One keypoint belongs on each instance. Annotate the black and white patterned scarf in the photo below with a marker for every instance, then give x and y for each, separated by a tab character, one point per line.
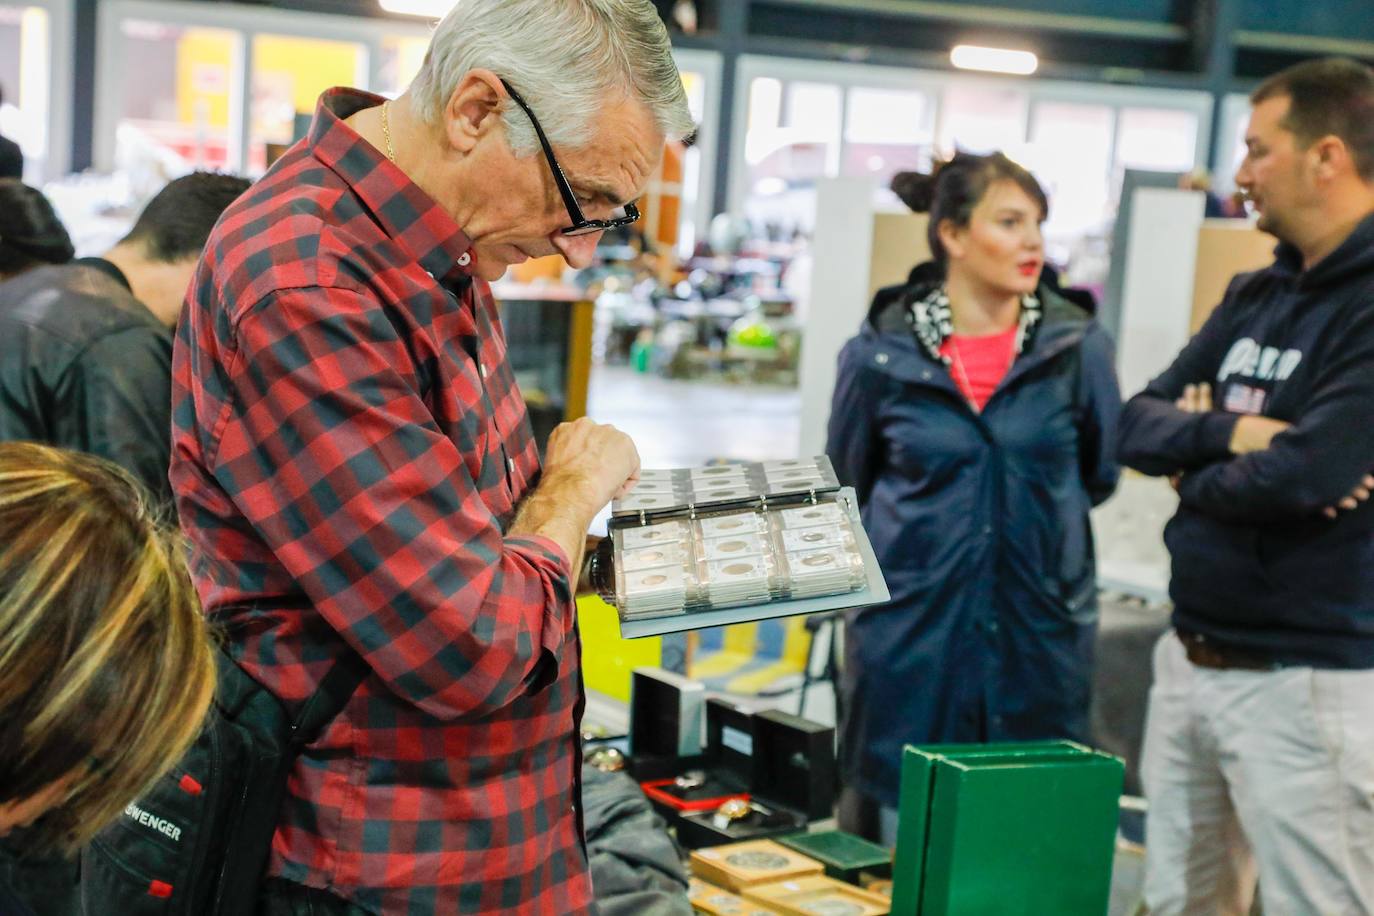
932	321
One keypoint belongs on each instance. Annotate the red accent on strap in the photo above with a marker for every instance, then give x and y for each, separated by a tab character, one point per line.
160	889
190	786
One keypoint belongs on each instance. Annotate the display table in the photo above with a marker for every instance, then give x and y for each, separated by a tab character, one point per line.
549	342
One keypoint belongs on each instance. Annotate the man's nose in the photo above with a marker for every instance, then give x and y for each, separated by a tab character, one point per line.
577	250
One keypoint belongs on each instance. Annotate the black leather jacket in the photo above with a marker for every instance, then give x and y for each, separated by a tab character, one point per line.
84	365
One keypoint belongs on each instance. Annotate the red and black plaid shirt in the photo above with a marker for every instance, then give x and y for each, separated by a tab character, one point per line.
349	447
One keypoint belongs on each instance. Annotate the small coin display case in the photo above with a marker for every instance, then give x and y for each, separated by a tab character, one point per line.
741	865
717	901
731	543
724	771
667	719
791	781
846	857
982	826
820	895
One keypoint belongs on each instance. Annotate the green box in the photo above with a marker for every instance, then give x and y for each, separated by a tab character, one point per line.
844	855
1006	829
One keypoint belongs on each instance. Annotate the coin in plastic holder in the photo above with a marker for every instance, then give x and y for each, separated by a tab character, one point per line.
653	486
654	591
717	471
654	557
732	525
796	484
810	516
737	581
789	465
657	475
724	494
820	572
648	502
734	547
795	539
654	535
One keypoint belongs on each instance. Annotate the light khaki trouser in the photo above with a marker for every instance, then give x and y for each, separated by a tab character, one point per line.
1258	771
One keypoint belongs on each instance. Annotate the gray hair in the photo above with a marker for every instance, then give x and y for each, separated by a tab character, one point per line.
564	57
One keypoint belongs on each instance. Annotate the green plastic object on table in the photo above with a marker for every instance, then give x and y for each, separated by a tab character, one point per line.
1009	829
844	855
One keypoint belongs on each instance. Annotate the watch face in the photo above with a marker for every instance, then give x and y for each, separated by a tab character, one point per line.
757	861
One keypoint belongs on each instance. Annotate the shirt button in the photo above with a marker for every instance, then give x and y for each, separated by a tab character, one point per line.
464	259
510	463
482	370
987	529
881	359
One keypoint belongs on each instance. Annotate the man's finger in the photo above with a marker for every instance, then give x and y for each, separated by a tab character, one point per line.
1329	512
1360	494
1349	503
1204	398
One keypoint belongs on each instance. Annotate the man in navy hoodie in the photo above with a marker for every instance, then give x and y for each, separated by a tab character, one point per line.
1259	747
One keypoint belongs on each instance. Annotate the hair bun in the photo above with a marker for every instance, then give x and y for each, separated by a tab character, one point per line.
916	190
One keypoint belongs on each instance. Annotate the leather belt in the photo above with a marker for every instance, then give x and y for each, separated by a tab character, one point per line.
1204	653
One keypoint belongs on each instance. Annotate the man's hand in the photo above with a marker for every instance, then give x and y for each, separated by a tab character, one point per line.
586	465
599	454
1358	495
1196	399
1254	433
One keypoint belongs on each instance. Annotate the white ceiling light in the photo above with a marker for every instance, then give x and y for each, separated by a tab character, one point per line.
993	60
430	9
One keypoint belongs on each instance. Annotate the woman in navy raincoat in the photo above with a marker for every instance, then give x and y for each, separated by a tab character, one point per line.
975	414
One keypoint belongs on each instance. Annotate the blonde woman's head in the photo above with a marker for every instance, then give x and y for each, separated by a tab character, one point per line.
106	667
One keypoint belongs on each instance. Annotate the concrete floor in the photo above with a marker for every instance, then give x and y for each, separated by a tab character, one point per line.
679	424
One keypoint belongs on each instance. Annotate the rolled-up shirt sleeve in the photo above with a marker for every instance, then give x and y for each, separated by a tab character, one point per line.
331	453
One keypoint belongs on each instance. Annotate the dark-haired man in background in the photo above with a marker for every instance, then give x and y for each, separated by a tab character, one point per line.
86	348
1259	747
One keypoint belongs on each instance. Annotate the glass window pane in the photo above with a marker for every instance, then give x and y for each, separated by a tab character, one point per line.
174	114
24	64
1070	152
887	131
982	119
793	139
1163	139
288	76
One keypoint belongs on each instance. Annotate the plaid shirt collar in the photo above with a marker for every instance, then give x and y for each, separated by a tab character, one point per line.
412	218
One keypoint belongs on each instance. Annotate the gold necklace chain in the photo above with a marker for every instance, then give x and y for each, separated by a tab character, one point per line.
386	130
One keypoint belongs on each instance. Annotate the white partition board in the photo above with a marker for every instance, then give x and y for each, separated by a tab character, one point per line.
1157	296
841	253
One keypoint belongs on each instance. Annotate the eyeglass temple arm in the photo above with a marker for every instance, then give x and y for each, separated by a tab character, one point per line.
561	180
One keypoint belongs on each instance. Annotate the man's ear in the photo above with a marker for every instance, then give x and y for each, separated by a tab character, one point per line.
472	109
1330	157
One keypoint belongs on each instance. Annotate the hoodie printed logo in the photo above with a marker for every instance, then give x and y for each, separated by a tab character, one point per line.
1248	359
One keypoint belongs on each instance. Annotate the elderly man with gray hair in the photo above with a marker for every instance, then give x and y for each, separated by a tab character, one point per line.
354	467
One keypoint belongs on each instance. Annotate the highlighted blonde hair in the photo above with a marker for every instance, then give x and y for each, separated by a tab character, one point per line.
106	665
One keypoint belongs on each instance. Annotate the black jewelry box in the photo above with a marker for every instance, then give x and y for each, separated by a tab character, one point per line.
791	780
666	712
725	769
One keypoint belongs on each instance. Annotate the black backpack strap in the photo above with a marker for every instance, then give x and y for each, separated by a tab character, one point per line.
329	699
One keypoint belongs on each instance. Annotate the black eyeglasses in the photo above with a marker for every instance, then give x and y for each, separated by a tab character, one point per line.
580	224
